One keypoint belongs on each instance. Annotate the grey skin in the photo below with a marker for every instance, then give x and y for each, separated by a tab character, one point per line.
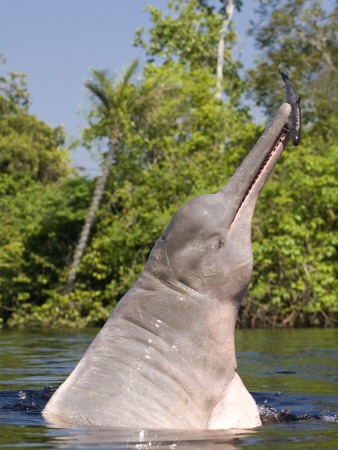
166	356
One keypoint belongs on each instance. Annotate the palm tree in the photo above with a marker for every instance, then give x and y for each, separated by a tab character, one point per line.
113	97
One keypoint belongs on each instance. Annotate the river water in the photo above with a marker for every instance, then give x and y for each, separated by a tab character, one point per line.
293	375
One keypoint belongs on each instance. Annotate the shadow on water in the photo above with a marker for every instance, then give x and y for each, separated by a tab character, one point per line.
291	373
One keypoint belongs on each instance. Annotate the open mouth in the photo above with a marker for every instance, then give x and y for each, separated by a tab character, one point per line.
267	165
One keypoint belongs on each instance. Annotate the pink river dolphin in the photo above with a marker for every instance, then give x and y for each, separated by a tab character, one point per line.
166	356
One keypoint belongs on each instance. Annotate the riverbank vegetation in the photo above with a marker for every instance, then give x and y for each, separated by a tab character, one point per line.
171	136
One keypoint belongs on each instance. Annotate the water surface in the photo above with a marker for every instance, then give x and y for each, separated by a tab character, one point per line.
293	375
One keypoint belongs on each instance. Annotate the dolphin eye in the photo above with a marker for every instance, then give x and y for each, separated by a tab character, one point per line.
220	243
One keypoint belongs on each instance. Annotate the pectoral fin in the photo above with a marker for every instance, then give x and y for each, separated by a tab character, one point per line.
236	409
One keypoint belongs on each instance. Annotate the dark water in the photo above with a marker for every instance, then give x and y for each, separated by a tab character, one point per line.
293	375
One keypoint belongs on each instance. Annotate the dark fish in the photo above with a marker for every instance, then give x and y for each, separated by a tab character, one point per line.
295	119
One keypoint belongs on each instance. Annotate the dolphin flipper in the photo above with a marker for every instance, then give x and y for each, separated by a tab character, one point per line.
237	409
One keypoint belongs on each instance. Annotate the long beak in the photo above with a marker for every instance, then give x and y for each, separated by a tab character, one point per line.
244	187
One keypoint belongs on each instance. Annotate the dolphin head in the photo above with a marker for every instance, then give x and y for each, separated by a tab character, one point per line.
207	245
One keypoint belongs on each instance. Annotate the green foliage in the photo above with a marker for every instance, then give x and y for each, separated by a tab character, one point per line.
41	224
113	100
172	39
295	237
171	148
13	91
189	34
176	141
36	187
300	36
30	147
295	227
170	153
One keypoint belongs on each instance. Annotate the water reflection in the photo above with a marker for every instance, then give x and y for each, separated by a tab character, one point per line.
298	435
139	439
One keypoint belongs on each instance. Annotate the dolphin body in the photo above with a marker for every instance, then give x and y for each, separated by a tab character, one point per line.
166	356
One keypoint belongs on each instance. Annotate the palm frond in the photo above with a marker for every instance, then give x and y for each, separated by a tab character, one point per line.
99	86
125	81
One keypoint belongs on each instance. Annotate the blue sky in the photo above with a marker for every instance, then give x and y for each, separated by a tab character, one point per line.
56	42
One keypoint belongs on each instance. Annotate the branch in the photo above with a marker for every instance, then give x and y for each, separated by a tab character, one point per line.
229	9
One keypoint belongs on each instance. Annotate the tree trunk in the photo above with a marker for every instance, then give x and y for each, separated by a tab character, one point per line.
229	9
99	189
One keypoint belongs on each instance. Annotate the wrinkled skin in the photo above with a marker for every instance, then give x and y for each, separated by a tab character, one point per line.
166	356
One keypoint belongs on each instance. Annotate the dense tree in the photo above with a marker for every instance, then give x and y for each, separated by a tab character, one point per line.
159	166
34	167
176	139
172	148
14	95
302	37
296	236
115	100
29	147
40	225
191	33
